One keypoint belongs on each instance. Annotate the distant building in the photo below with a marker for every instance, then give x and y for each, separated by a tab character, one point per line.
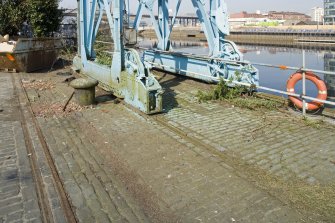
291	22
273	15
307	23
317	14
288	16
329	12
299	23
244	15
245	18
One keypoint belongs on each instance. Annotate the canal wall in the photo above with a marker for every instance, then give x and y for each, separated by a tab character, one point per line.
323	39
293	38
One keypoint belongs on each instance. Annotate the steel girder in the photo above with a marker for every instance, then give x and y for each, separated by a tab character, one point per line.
127	77
222	52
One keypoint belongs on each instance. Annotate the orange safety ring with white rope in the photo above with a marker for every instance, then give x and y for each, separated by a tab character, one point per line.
320	84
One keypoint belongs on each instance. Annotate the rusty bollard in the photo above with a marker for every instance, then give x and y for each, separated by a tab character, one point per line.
84	90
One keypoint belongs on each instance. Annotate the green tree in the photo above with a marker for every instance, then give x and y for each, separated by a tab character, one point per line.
11	16
44	16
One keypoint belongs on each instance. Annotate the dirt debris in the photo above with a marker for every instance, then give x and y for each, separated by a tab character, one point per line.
56	109
38	85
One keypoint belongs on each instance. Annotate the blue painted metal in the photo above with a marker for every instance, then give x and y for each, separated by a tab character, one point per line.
203	68
127	77
139	15
215	26
175	15
163	23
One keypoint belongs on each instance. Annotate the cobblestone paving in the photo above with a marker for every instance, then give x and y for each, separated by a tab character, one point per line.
190	180
90	186
280	144
119	166
95	193
18	199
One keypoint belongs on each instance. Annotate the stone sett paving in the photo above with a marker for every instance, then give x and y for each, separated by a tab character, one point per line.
184	176
91	187
280	144
94	192
18	199
118	166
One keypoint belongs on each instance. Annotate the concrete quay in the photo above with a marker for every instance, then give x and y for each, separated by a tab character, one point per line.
196	162
323	39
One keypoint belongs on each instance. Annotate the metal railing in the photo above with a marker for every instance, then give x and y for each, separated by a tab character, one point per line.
302	69
287	31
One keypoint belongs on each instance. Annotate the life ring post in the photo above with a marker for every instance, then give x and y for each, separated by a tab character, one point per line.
303	82
300	101
304	86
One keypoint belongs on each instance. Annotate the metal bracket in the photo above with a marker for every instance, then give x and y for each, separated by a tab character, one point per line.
215	26
127	77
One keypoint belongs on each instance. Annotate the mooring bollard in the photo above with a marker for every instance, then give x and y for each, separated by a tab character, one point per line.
84	91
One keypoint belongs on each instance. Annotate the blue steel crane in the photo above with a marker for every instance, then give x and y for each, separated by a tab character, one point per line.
127	77
224	59
130	78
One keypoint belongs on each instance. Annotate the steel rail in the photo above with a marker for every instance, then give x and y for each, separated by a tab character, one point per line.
46	206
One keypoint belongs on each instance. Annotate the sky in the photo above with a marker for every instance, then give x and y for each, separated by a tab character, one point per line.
241	5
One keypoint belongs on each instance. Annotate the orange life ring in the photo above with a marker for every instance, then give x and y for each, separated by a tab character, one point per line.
320	84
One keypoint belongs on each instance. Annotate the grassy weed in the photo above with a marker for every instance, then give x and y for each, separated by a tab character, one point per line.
239	96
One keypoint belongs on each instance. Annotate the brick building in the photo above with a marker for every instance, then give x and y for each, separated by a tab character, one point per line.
244	14
288	16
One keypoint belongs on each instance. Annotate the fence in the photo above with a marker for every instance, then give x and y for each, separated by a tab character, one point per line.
302	69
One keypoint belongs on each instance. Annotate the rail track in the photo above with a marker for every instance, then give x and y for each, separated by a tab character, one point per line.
253	166
230	139
31	127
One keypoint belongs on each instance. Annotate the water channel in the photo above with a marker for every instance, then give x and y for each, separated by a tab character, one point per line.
271	77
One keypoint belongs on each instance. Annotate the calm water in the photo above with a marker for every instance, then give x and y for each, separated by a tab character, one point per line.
270	77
